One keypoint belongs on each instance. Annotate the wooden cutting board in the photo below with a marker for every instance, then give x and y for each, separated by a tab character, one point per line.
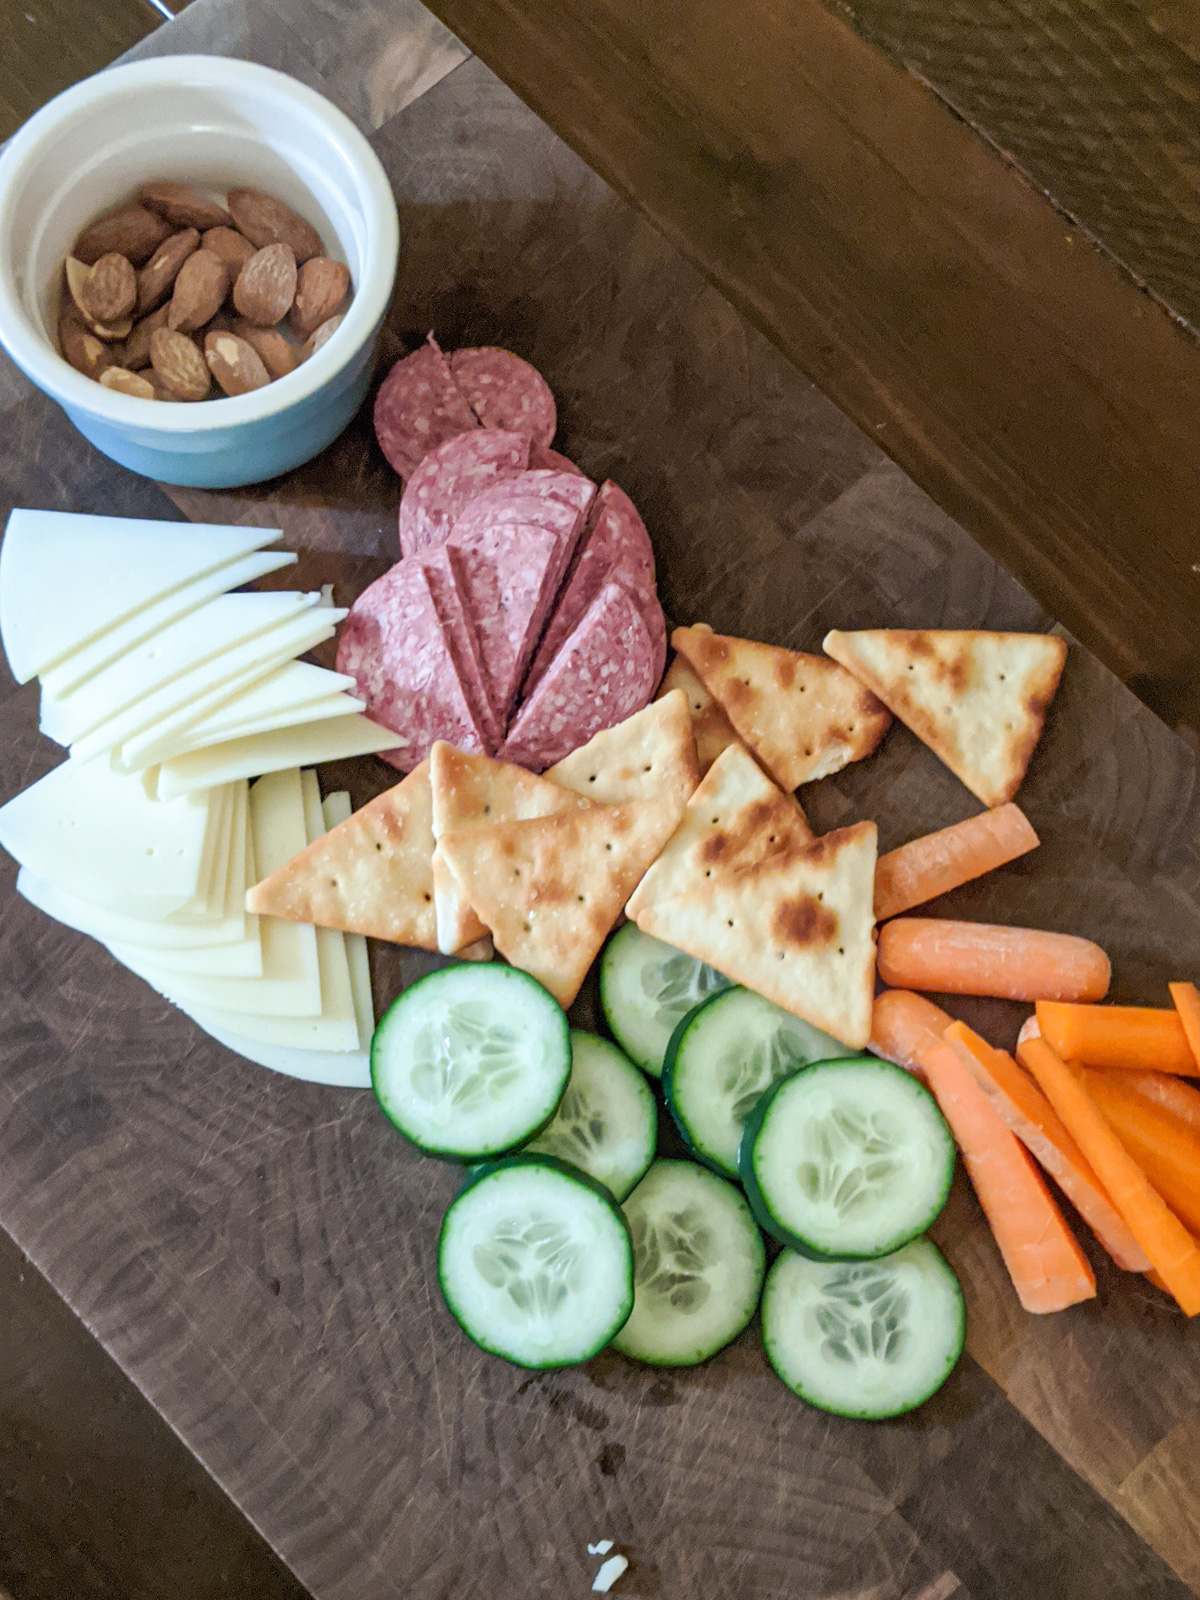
258	1254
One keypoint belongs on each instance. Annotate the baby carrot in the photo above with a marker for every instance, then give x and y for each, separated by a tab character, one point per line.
981	958
1167	1152
1116	1036
1048	1269
938	862
1177	1100
1187	1004
904	1024
1171	1249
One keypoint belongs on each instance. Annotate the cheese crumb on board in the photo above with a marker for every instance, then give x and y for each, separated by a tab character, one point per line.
608	1574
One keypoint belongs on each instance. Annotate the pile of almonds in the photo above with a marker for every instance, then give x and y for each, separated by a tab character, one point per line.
173	290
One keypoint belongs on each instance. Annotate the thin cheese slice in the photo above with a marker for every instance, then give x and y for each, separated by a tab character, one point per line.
210	899
333	740
82	664
332	705
65	579
349	1069
337	809
287	690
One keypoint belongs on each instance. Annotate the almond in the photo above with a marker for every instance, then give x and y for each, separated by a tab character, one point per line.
266	285
112	331
183	205
177	362
234	363
155	279
265	220
109	292
77	275
320	337
200	287
136	352
233	248
80	347
277	355
126	382
130	231
321	286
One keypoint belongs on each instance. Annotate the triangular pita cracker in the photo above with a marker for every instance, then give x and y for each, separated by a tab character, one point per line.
711	728
803	717
978	700
652	752
371	874
550	888
471	791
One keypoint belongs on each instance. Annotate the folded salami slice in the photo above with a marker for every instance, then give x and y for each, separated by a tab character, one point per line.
456	614
541	456
557	501
505	392
450	477
418	407
507	576
393	646
605	671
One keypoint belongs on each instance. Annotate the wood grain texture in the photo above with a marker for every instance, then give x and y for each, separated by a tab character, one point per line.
258	1254
942	303
45	49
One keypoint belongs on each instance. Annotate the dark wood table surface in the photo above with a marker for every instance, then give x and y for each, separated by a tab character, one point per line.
256	1254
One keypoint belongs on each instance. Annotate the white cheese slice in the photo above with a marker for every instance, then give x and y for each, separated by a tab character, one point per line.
82	664
330	705
337	809
209	632
347	1069
209	899
200	691
294	693
95	833
66	578
333	740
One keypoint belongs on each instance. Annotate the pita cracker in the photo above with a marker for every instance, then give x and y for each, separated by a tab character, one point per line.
551	888
371	874
652	752
711	728
978	700
803	717
470	791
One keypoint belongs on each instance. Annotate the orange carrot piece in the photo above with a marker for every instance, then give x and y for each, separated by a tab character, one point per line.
1035	1122
1187	1004
1048	1269
1169	1094
1117	1036
939	862
981	958
902	1025
1172	1250
1167	1152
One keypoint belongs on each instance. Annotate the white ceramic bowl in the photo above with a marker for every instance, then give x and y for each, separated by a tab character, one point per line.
222	124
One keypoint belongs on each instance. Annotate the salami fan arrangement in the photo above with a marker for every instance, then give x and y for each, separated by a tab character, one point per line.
522	617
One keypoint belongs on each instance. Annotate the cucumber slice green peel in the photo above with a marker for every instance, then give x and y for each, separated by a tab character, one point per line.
606	1123
847	1160
865	1339
471	1061
646	988
536	1263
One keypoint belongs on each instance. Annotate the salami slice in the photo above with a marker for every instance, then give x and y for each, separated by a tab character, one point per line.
541	455
507	577
418	407
558	501
505	392
450	477
464	640
604	672
393	646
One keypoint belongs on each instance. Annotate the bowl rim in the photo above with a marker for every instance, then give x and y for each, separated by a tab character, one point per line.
44	365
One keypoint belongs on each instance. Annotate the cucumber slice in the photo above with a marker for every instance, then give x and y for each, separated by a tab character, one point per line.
535	1262
699	1263
646	989
722	1058
606	1123
471	1060
847	1159
864	1339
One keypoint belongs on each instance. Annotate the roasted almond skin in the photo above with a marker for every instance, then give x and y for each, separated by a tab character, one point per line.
109	292
200	290
266	286
234	363
321	286
276	353
265	220
156	279
233	248
182	204
136	351
178	364
126	382
130	231
321	336
80	346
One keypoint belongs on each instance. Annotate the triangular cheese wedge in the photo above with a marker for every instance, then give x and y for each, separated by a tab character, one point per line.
370	874
652	752
741	888
801	715
978	700
711	728
550	888
471	791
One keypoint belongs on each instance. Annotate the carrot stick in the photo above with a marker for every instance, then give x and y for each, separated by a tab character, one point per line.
902	1025
980	958
1171	1248
1048	1269
1117	1036
1167	1152
939	862
1035	1122
1178	1100
1187	1004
